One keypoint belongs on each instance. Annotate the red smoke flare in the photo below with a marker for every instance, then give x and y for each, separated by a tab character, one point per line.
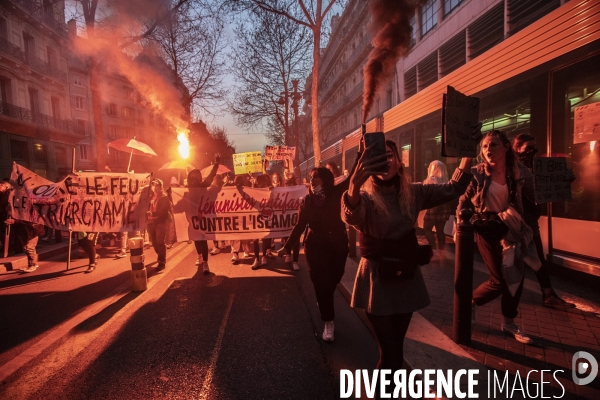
391	28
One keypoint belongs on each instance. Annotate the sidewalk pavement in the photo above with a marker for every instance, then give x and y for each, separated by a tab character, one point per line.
558	334
45	250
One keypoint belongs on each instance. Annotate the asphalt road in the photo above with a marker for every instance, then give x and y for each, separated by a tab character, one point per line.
233	334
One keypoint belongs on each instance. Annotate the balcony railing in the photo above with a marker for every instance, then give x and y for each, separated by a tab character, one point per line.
24	114
45	68
12	50
37	11
34	63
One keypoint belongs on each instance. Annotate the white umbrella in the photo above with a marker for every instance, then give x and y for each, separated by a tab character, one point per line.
132	147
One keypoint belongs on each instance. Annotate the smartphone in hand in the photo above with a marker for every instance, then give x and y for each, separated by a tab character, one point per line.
378	138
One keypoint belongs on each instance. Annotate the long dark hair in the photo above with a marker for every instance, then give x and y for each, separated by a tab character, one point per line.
327	179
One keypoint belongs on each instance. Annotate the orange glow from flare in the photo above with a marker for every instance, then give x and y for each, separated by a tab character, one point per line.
184	145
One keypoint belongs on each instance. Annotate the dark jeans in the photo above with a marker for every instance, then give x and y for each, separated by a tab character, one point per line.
390	331
495	286
88	244
157	234
439	232
326	257
202	248
23	241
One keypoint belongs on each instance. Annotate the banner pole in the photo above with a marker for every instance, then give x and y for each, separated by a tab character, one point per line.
129	164
73	161
69	249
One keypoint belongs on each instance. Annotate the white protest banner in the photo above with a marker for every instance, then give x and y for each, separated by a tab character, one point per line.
550	181
460	116
280	153
236	213
248	162
587	123
83	202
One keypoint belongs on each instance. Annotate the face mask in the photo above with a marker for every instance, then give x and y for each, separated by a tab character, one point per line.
317	189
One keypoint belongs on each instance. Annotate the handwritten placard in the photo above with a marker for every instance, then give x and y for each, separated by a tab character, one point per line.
248	162
587	123
280	152
460	114
550	180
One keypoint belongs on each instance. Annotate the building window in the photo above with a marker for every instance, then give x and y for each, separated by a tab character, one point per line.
413	32
61	155
128	133
3	29
81	126
29	43
4	90
18	150
127	112
34	101
79	103
40	153
428	17
83	152
55	107
112	109
112	131
51	55
77	80
128	92
450	5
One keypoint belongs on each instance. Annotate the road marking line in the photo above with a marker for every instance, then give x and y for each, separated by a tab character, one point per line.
215	354
57	333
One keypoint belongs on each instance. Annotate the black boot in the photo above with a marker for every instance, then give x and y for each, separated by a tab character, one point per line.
551	300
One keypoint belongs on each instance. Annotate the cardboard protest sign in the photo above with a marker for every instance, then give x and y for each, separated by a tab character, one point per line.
587	123
280	152
249	162
460	115
236	213
550	181
83	202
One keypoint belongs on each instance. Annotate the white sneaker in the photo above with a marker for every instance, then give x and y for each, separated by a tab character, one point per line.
263	260
215	250
235	258
198	260
287	258
295	267
517	333
205	268
30	268
270	254
246	254
256	264
121	254
328	331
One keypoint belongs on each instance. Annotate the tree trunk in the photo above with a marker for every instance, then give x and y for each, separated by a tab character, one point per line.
97	111
315	93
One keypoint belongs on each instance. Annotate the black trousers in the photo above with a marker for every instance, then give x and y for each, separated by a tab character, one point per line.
202	248
88	244
326	257
491	252
158	234
390	331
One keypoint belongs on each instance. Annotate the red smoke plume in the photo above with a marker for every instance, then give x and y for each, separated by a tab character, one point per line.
390	26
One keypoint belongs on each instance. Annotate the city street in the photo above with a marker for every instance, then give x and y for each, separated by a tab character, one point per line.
235	333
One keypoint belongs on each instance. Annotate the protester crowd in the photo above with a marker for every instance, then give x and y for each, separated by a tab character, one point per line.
377	199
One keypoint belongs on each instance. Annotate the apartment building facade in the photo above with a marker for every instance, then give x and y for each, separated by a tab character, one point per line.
36	128
531	63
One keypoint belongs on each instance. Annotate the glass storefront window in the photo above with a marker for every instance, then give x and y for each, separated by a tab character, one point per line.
574	87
